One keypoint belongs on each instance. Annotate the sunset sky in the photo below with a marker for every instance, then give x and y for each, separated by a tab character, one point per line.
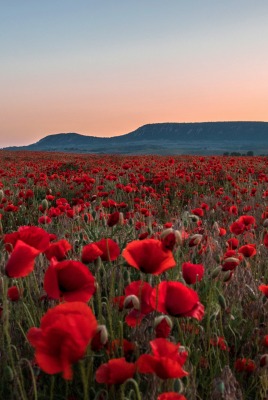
106	67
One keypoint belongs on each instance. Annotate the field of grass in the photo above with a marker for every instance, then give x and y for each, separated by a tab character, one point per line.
133	277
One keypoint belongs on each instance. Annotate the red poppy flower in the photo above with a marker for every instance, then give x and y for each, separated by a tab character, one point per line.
237	227
70	280
113	219
192	273
176	299
115	371
166	361
142	291
34	236
171	396
248	250
219	342
247	220
90	253
264	289
148	256
110	249
198	211
58	250
21	261
63	336
233	243
244	365
44	219
118	345
14	293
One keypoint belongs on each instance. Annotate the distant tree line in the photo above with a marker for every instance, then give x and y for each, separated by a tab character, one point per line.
236	153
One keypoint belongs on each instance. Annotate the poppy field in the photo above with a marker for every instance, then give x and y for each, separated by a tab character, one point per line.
133	277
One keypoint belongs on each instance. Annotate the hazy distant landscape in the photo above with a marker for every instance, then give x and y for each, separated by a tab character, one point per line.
166	138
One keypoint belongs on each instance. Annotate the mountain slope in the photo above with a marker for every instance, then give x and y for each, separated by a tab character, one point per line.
166	138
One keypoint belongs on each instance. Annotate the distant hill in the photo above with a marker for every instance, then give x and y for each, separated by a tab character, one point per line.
165	138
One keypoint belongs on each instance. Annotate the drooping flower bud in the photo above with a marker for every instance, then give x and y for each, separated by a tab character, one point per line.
132	301
162	326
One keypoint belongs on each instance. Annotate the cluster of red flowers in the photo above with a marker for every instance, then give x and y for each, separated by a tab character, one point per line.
128	218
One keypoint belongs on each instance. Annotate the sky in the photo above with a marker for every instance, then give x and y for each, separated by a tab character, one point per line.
106	67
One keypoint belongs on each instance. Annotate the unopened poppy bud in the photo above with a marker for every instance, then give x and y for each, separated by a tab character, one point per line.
264	360
45	204
222	301
216	271
159	319
193	217
162	326
168	233
132	301
178	386
9	374
251	292
194	240
100	338
227	275
265	222
230	263
1	195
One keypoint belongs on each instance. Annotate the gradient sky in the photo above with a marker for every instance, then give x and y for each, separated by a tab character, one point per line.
106	67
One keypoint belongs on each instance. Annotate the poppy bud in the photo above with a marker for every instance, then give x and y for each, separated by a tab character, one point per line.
163	326
178	386
264	360
171	238
100	338
222	301
193	217
227	275
230	263
45	204
265	222
1	195
9	374
194	240
216	271
132	301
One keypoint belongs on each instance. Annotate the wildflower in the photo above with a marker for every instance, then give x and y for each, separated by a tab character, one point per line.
70	280
192	273
148	256
115	371
166	360
64	334
176	299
